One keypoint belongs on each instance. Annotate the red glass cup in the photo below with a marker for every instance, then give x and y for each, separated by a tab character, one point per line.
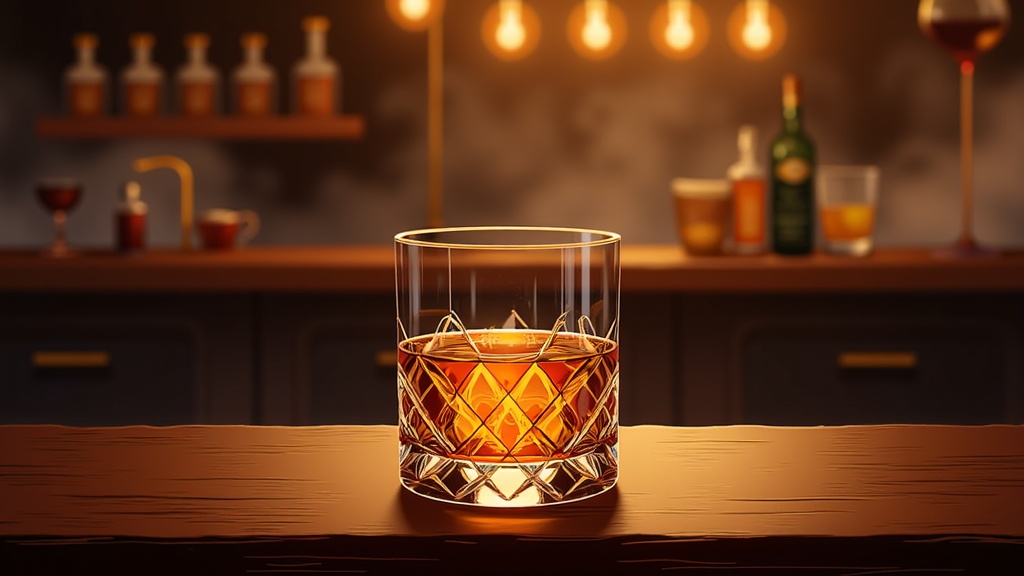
223	229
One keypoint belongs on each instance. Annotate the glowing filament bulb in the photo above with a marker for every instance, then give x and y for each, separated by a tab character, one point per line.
414	9
511	34
757	35
679	32
597	33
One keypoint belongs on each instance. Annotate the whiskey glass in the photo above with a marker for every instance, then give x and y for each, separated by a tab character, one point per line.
508	372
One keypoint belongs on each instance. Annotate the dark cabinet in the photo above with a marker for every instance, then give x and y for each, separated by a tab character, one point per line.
92	360
851	359
328	359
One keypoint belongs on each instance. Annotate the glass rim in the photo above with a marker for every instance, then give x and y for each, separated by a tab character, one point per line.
409	237
849	170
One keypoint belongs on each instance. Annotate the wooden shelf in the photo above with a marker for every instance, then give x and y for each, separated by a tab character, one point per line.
342	127
645	268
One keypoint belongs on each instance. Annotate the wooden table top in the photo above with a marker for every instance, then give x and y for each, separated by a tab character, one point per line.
923	496
645	268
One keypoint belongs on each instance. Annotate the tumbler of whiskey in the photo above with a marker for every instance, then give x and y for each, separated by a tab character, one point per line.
508	370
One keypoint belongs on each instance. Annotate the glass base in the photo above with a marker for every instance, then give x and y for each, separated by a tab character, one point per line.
58	252
966	249
858	247
506	485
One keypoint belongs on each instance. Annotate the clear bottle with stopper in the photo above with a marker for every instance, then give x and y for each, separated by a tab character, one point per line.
316	78
130	219
142	81
198	81
254	81
86	83
747	178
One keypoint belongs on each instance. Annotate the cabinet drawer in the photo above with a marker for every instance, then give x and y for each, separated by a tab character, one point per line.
834	373
98	374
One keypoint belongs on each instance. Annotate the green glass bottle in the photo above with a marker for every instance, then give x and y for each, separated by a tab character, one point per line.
792	177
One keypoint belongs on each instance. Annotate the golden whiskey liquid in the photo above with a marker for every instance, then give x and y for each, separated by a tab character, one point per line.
520	396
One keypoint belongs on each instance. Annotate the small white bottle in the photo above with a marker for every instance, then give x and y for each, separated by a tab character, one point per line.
254	81
86	83
198	81
747	178
316	79
142	82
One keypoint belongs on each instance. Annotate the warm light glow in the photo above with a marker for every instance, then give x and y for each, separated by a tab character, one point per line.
415	14
511	33
414	9
511	29
597	33
679	29
756	29
757	34
597	28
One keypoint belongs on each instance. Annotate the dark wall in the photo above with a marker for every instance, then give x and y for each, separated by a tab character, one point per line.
553	139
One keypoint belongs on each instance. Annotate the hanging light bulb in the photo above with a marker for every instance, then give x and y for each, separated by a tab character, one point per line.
415	14
414	9
511	33
757	29
511	29
679	29
597	33
597	28
757	34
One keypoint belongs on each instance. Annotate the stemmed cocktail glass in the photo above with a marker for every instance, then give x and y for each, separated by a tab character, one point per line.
59	196
967	28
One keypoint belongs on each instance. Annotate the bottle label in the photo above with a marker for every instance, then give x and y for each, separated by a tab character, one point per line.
316	96
748	211
197	99
793	213
254	98
86	100
793	171
142	99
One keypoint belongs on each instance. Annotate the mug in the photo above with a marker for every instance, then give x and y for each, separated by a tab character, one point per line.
221	228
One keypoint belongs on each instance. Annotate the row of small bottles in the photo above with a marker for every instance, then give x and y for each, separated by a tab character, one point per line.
315	80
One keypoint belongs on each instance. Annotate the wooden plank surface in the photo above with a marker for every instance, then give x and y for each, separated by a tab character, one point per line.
231	481
645	268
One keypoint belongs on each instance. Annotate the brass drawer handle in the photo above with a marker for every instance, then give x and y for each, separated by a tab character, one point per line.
386	358
877	360
63	359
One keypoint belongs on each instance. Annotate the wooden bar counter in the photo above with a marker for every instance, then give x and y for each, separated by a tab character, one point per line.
750	500
645	268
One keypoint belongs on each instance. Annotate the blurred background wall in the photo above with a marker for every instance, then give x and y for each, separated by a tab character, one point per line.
553	139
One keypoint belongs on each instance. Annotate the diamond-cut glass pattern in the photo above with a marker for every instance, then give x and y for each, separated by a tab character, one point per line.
509	416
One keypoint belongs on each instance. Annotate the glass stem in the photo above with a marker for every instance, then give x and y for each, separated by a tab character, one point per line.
59	220
966	148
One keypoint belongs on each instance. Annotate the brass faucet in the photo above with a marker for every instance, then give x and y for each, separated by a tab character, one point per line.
185	175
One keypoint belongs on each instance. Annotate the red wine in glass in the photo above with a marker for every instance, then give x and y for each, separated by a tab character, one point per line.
59	196
967	38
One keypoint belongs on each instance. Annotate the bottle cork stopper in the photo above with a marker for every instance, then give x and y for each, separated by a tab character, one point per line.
131	190
85	40
142	40
254	39
315	24
197	40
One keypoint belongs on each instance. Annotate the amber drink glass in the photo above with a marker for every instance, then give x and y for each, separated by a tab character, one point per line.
508	372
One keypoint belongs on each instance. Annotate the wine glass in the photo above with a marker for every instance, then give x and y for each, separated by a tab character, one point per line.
966	28
59	196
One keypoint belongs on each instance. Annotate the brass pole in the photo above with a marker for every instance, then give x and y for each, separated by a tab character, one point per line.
435	122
